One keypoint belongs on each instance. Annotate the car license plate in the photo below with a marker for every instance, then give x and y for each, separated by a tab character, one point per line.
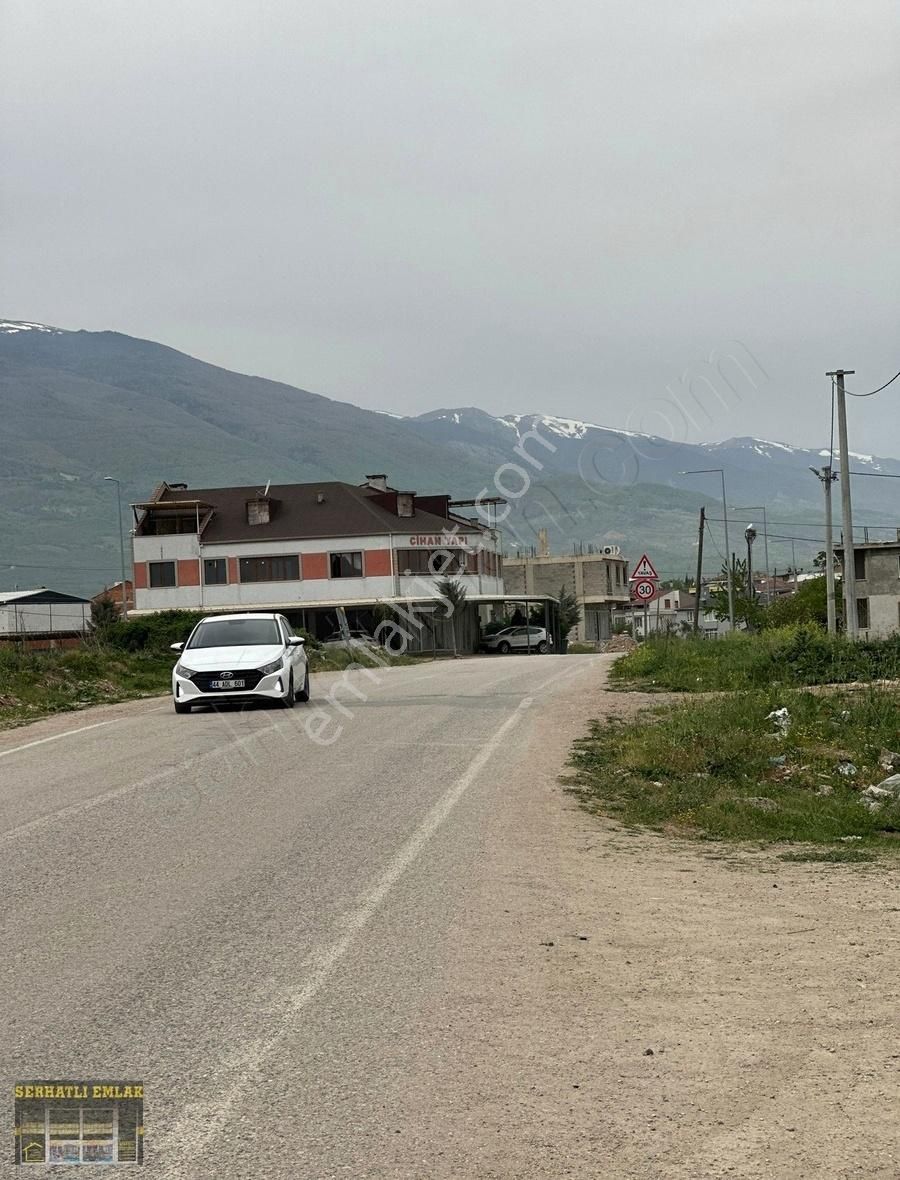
227	683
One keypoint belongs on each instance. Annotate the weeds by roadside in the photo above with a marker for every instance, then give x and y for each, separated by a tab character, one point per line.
721	769
789	656
34	684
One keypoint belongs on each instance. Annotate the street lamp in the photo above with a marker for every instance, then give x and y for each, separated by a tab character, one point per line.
750	537
112	479
761	508
721	472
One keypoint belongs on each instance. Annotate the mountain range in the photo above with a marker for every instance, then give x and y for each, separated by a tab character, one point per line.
78	406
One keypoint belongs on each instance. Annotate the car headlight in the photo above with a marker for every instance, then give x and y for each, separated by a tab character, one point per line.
268	669
187	673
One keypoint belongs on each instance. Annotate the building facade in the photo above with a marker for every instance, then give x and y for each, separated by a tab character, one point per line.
599	582
877	568
308	548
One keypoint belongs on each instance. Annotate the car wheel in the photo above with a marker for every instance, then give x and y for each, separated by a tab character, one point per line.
287	701
303	694
504	648
542	647
180	707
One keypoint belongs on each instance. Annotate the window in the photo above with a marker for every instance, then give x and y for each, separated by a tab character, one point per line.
81	1135
859	564
346	565
270	569
85	1134
235	633
433	563
862	613
162	573
215	571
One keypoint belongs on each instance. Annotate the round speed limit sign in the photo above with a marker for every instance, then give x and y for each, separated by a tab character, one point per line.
644	591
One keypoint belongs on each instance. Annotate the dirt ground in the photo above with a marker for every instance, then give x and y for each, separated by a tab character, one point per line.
654	1008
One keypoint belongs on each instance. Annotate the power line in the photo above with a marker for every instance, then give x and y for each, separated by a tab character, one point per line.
871	392
809	524
715	543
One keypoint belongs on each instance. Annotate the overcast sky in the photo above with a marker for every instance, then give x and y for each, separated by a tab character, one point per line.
407	204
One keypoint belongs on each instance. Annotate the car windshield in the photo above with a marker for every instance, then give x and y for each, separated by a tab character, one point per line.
235	633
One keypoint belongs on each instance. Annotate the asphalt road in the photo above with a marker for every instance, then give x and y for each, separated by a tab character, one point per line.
277	920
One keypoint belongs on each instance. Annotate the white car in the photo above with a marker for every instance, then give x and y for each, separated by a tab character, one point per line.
240	657
525	639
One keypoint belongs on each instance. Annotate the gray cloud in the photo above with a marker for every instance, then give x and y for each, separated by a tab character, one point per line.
518	205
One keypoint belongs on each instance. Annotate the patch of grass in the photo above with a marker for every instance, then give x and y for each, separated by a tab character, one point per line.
713	768
35	684
789	656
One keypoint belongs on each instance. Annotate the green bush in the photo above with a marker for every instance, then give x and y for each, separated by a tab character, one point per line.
153	633
798	655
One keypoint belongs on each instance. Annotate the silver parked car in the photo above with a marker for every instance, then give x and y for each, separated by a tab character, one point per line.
536	639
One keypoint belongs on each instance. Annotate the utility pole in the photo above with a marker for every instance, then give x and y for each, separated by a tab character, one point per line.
827	478
699	570
851	622
729	563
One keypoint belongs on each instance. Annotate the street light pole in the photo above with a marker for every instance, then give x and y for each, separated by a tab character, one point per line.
761	508
728	561
750	537
112	479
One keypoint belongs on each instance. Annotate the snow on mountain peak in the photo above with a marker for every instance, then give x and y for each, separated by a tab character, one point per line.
868	459
565	427
13	327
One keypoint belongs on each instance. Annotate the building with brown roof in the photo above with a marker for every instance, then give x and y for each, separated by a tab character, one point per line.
310	547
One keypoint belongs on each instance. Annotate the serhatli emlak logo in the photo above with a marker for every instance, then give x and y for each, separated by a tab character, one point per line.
79	1122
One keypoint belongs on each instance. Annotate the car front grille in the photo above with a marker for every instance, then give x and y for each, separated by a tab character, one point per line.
251	678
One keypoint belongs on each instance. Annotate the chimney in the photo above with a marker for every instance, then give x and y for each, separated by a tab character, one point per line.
378	482
406	503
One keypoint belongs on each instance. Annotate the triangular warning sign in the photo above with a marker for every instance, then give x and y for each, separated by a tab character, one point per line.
644	571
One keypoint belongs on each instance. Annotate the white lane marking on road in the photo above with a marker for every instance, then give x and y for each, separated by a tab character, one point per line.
56	736
202	1122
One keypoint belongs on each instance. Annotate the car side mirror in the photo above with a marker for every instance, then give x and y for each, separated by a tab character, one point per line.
176	646
296	641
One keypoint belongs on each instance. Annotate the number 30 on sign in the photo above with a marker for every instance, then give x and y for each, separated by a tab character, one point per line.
644	590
